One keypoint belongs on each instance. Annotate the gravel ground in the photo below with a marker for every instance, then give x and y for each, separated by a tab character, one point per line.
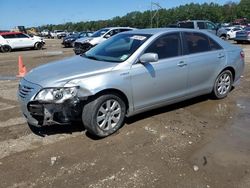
196	143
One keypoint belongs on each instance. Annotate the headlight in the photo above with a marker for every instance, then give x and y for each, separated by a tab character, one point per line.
86	41
67	40
57	95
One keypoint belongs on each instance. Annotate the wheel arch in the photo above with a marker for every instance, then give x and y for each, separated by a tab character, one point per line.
231	69
115	91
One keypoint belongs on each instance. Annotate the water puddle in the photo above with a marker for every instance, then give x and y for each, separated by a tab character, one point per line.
226	156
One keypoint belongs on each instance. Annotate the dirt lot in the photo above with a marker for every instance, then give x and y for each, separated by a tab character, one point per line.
196	143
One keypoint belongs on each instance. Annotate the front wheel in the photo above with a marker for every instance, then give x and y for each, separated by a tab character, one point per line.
223	37
223	84
104	115
38	46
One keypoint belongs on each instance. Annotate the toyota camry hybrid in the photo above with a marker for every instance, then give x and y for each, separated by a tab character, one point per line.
130	73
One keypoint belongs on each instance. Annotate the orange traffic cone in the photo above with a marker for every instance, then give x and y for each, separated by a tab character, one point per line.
21	67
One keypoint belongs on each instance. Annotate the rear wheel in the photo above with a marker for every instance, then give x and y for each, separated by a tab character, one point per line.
5	48
223	84
104	115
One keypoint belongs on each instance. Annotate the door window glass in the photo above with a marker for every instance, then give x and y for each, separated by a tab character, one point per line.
166	46
210	26
199	42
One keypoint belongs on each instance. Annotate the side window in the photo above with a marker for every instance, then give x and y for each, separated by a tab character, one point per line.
214	45
201	25
20	35
113	32
123	30
210	26
196	42
166	46
8	36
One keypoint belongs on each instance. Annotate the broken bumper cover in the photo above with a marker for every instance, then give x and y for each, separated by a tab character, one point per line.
52	113
40	113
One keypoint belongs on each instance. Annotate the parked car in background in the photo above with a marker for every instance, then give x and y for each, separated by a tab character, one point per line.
243	36
18	40
231	31
130	73
84	44
57	34
204	25
45	33
69	40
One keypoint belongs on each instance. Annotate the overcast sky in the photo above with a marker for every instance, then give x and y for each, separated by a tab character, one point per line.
31	13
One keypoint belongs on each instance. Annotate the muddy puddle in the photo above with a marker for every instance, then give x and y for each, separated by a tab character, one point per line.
225	156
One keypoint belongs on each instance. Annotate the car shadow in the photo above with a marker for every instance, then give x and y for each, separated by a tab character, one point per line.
79	127
167	108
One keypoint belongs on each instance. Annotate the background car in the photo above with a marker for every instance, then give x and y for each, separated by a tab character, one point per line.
231	31
204	25
57	34
127	74
243	36
84	44
18	40
68	41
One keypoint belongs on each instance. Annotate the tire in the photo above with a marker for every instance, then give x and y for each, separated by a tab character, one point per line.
223	84
38	46
5	48
223	37
104	115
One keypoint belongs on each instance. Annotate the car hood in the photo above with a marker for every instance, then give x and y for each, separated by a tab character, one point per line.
58	73
83	39
70	38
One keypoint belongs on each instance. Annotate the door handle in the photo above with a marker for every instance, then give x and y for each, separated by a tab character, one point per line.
182	64
221	55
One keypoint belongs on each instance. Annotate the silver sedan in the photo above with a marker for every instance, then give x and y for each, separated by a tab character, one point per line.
130	73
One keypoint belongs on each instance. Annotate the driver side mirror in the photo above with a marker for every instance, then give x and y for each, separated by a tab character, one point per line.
149	57
107	36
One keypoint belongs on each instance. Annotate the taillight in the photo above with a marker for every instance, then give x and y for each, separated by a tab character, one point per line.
242	54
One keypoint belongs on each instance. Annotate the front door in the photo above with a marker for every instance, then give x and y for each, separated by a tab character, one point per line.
157	82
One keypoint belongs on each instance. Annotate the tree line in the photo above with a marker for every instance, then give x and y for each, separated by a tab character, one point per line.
163	17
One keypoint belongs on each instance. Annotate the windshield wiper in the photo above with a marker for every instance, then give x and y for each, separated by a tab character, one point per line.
91	57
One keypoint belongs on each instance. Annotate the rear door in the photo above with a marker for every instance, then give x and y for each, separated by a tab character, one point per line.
156	82
205	59
24	40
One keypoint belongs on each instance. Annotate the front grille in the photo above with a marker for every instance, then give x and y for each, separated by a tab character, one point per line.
24	91
77	44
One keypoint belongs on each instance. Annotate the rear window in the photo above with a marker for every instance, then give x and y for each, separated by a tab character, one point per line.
189	25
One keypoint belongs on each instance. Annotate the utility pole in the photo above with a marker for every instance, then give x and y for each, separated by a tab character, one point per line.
155	7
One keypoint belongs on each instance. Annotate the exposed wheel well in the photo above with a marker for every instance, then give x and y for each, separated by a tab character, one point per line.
115	91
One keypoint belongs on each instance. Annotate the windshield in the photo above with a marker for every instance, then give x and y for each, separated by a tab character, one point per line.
118	48
99	32
247	28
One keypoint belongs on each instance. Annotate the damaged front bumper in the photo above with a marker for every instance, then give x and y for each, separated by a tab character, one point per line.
40	113
53	113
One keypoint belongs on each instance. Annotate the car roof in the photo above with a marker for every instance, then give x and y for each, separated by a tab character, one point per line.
10	33
193	21
118	28
154	31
